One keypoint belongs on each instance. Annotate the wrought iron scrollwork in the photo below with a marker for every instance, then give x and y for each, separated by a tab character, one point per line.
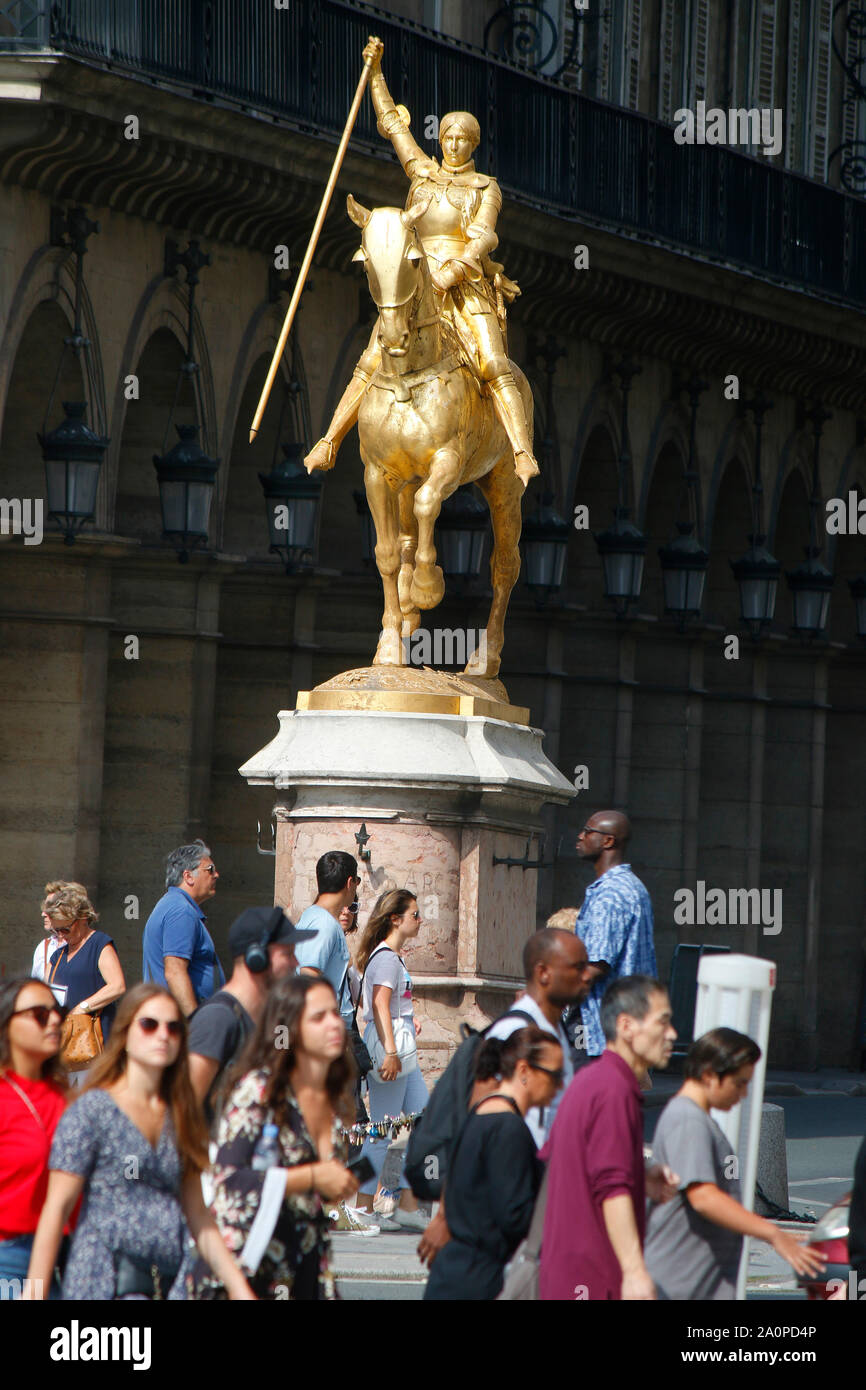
852	58
522	31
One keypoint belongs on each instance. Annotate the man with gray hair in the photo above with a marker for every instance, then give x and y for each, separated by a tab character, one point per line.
178	949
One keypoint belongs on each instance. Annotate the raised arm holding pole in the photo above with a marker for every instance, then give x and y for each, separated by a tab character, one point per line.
311	249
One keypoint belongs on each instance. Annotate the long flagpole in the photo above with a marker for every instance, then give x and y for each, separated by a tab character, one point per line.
311	251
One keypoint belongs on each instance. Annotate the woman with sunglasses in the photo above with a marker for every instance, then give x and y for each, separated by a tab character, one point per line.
494	1172
135	1144
396	1086
86	965
32	1099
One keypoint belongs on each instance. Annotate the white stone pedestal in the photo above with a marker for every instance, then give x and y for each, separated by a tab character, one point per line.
442	796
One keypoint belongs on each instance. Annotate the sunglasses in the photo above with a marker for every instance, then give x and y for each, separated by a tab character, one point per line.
42	1012
555	1073
150	1025
353	907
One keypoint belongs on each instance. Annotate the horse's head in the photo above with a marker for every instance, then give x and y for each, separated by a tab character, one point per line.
394	263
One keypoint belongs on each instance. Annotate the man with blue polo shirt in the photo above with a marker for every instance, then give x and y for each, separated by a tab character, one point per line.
337	882
178	949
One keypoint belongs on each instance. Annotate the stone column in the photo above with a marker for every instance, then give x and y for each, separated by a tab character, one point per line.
813	890
692	767
755	813
624	715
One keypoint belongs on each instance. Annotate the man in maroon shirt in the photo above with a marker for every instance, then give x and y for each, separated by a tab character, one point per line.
594	1221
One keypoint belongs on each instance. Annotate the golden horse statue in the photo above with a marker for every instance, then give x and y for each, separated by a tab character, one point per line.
426	425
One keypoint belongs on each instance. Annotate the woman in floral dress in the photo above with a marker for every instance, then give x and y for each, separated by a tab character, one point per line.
296	1074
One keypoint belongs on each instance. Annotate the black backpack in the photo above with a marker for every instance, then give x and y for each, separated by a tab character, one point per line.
432	1138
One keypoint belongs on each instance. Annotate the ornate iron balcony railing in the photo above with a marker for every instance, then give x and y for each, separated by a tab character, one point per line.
548	145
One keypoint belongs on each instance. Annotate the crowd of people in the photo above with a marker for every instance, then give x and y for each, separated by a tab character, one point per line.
193	1137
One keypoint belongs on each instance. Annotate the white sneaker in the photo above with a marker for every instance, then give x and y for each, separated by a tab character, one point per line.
352	1221
411	1220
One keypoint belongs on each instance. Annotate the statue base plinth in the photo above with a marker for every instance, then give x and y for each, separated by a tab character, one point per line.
451	805
413	690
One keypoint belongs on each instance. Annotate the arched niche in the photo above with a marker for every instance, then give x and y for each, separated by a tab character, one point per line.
846	557
596	489
33	373
664	508
137	509
732	526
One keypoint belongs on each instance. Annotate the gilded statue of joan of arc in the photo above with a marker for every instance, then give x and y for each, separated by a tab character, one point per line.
457	210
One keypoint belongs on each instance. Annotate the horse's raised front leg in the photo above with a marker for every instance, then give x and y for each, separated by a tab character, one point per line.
428	584
503	491
408	543
383	507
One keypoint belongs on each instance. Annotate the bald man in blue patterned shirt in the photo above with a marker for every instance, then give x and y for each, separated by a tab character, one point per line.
616	920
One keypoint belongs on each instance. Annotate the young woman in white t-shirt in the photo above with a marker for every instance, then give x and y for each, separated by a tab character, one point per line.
396	1087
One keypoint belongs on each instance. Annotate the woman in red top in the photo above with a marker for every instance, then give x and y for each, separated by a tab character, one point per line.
32	1099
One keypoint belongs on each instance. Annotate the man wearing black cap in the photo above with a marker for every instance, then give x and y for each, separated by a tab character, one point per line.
262	942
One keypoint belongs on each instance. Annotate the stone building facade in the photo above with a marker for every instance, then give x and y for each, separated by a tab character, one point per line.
744	772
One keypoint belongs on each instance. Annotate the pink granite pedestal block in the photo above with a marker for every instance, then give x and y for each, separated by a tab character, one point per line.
441	796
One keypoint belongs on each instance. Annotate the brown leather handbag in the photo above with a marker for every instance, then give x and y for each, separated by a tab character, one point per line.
81	1041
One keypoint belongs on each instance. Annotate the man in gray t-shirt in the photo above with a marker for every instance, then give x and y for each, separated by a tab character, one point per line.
688	1256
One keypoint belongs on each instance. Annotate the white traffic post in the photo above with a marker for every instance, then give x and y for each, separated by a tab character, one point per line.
737	992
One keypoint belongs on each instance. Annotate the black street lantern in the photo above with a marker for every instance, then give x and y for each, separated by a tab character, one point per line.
858	593
757	576
292	500
368	530
684	571
757	572
810	583
622	548
186	479
72	451
545	547
186	474
73	455
460	534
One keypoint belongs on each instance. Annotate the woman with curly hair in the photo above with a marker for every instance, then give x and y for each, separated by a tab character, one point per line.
135	1145
294	1091
85	966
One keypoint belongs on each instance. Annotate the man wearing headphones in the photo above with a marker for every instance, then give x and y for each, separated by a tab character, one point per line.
262	943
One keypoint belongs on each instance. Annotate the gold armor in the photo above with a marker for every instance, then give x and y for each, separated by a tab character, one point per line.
455	210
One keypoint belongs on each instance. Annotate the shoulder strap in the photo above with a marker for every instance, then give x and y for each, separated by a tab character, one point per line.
456	1145
513	1013
56	963
45	958
228	1001
363	977
496	1095
536	1226
26	1099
